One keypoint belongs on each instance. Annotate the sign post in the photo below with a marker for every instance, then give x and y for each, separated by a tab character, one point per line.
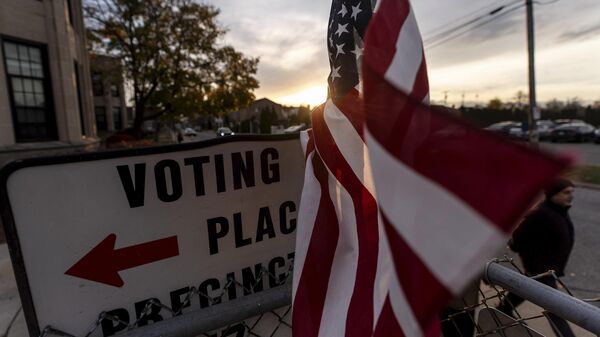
108	232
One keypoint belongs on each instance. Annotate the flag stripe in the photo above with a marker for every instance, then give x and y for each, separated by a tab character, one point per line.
359	315
460	237
350	145
405	316
407	59
440	155
387	22
384	273
310	295
351	107
307	212
423	291
344	267
388	323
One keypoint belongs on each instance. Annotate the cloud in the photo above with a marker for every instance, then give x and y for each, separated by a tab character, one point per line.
580	33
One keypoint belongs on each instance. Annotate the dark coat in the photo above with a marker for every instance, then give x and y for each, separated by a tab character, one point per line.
544	239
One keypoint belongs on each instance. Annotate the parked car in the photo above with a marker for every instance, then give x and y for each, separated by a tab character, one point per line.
503	127
572	132
567	121
597	136
295	128
544	128
189	132
222	132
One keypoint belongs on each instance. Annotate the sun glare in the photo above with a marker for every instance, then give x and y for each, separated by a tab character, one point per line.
312	95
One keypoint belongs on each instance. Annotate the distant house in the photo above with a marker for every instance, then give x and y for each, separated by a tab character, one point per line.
251	113
45	89
110	111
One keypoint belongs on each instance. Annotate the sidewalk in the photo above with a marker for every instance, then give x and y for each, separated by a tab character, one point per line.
12	322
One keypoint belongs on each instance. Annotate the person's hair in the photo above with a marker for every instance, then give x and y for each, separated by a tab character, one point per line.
556	186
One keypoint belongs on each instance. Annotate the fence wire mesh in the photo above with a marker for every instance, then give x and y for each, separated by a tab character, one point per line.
473	315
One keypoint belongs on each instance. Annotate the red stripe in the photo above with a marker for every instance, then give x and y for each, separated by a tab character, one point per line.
467	162
360	313
352	107
383	32
421	86
310	144
387	325
424	293
312	287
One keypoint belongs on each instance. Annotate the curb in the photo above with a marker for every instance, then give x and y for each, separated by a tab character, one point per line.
587	185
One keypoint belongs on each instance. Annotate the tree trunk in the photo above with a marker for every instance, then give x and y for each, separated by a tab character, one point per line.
139	116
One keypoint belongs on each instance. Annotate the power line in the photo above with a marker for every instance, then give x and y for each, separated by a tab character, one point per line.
467	16
440	42
435	34
445	36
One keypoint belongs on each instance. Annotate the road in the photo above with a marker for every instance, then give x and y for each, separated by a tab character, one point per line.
583	270
586	153
582	274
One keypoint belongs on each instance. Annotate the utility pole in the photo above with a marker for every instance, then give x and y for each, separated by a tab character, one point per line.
531	50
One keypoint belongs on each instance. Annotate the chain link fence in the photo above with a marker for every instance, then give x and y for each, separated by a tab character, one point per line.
267	313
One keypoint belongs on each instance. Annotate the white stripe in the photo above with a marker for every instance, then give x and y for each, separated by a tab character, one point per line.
307	213
383	274
344	265
402	309
351	146
377	4
405	65
449	236
304	139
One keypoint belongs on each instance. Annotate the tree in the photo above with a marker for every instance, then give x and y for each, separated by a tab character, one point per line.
495	104
303	116
555	105
172	57
268	117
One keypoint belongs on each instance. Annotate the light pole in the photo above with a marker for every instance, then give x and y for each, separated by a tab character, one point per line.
531	50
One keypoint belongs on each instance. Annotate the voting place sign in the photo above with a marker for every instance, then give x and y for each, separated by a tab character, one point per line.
109	231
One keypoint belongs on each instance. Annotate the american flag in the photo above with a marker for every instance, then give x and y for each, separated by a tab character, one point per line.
389	233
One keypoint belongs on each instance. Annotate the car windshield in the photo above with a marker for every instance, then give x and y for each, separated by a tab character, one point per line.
501	125
224	130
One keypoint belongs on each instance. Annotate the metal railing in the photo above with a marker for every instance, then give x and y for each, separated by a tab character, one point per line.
268	313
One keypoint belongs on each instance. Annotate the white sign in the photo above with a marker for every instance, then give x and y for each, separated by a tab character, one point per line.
109	233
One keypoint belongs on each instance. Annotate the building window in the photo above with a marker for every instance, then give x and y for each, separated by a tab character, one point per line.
97	86
117	118
79	103
114	90
100	112
29	90
69	11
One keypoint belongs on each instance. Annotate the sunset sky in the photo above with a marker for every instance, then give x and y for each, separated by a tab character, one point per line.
487	62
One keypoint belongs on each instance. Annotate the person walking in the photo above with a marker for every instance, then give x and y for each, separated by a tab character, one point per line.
544	240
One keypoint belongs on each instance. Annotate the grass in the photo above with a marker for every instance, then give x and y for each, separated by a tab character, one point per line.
589	174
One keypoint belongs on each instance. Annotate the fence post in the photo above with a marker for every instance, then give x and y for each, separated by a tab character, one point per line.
570	308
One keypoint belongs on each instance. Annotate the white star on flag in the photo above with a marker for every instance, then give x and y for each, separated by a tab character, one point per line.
358	51
340	49
355	10
341	29
335	73
343	11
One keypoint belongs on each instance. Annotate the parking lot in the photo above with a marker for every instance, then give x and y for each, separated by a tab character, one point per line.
586	153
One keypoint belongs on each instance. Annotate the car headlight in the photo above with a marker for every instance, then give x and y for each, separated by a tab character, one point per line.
222	134
597	132
233	133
